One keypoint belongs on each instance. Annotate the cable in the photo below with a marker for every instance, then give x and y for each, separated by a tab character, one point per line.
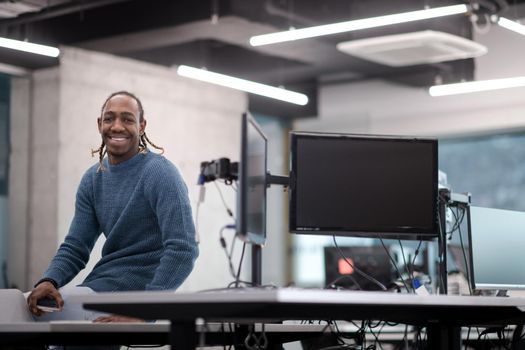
417	337
200	200
363	274
376	336
228	210
468	336
467	269
237	278
395	265
441	242
459	221
232	247
405	338
415	255
231	328
404	260
340	278
254	342
224	340
246	284
197	236
229	255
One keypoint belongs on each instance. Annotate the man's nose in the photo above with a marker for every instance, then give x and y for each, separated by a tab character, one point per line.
117	124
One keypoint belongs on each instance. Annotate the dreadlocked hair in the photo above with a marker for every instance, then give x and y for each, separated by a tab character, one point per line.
143	139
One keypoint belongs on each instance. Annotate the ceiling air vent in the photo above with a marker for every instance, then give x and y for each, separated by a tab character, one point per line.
413	48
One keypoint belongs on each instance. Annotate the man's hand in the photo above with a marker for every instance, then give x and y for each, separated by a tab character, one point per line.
117	318
43	290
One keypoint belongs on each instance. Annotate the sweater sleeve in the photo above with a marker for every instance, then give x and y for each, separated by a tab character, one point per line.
73	253
168	196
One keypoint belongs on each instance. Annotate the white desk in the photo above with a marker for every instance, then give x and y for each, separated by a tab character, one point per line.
82	333
88	333
442	315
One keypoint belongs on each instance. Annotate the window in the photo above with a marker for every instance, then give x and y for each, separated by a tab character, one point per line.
491	168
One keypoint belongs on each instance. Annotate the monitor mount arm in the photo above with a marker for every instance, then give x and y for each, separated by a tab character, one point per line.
277	180
447	199
223	168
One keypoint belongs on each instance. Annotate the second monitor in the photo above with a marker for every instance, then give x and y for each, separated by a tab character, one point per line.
497	243
356	185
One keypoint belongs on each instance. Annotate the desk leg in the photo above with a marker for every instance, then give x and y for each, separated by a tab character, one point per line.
183	335
442	337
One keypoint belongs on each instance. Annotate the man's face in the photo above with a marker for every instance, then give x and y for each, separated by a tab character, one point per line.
120	128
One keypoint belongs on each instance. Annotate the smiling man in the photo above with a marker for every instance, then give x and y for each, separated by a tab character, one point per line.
138	200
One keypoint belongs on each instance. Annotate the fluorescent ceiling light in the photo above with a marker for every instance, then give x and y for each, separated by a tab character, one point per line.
29	47
243	85
358	24
476	86
511	25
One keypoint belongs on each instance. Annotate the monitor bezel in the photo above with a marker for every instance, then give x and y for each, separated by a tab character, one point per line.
242	222
409	233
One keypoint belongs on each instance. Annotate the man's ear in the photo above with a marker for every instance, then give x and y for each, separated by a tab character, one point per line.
142	126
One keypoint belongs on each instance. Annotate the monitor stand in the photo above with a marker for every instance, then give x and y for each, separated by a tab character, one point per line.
256	265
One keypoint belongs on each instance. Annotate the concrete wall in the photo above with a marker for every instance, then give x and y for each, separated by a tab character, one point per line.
193	121
18	199
44	141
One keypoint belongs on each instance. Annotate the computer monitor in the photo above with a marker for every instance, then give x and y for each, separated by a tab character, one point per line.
497	245
362	185
371	260
251	195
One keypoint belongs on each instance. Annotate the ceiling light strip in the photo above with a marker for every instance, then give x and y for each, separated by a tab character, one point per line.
511	25
341	27
29	47
243	85
476	86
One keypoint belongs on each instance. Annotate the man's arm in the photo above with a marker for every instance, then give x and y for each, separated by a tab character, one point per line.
74	252
168	196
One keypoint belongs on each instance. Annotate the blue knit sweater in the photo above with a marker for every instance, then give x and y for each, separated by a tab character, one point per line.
142	207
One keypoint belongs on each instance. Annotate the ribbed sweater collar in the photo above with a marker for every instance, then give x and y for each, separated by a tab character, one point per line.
126	165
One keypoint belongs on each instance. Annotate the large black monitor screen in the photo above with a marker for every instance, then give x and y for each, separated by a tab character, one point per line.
364	185
497	243
251	206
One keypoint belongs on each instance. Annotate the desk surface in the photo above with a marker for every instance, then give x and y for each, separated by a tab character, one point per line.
290	304
164	327
74	332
